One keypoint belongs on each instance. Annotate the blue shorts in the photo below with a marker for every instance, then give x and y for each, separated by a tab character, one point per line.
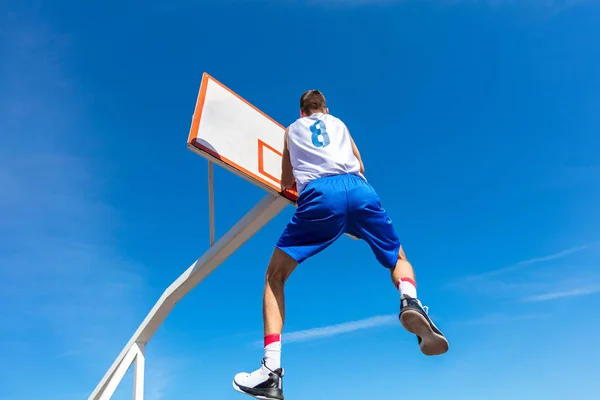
330	206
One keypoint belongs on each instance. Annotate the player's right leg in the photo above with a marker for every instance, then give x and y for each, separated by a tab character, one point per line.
267	381
369	221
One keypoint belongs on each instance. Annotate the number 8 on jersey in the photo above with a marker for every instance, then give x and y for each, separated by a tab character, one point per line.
319	129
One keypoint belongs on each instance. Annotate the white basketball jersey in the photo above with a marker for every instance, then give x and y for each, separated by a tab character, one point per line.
320	146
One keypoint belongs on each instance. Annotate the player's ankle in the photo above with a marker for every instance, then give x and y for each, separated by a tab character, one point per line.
407	288
272	358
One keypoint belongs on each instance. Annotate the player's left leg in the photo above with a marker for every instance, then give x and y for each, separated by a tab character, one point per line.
413	315
319	220
369	221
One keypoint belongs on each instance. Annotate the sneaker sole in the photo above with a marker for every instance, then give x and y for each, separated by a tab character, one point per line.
237	388
432	344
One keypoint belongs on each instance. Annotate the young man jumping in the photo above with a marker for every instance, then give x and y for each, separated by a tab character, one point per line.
322	159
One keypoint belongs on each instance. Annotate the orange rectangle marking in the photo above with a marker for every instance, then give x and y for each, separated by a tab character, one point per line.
261	159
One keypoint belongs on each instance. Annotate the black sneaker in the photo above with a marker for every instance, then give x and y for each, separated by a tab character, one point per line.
413	317
269	389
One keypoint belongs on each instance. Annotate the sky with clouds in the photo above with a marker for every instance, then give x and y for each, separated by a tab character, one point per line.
478	125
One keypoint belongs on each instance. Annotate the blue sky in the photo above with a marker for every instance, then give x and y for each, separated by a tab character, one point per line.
478	124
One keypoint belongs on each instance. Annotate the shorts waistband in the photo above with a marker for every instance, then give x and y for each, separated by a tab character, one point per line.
335	177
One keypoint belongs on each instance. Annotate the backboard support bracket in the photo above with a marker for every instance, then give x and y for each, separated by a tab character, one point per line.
240	233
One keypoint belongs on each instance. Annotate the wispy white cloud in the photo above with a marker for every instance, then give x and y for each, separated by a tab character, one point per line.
584	291
385	320
339	329
527	263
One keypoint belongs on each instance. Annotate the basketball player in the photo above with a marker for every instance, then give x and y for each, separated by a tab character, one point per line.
321	158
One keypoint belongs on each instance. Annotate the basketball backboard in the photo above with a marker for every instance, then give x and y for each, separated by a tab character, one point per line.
228	130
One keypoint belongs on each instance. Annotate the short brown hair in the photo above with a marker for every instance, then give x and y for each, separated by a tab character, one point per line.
312	101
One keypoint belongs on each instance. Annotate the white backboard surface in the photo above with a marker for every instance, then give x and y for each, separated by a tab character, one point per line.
227	128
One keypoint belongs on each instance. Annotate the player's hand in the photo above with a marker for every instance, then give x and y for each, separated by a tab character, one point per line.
283	188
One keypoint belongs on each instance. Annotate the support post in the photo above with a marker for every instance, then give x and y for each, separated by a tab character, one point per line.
211	201
138	373
117	375
243	230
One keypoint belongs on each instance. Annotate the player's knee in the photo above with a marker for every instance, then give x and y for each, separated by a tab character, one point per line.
276	275
280	267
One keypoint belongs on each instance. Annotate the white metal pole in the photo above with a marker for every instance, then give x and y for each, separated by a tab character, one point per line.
119	372
211	201
139	371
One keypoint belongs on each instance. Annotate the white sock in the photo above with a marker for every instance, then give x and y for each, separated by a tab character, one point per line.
407	288
273	351
272	362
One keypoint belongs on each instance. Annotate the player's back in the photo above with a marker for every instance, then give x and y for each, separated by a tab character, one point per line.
320	145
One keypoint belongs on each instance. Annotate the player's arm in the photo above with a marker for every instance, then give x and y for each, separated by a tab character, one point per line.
357	154
287	176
